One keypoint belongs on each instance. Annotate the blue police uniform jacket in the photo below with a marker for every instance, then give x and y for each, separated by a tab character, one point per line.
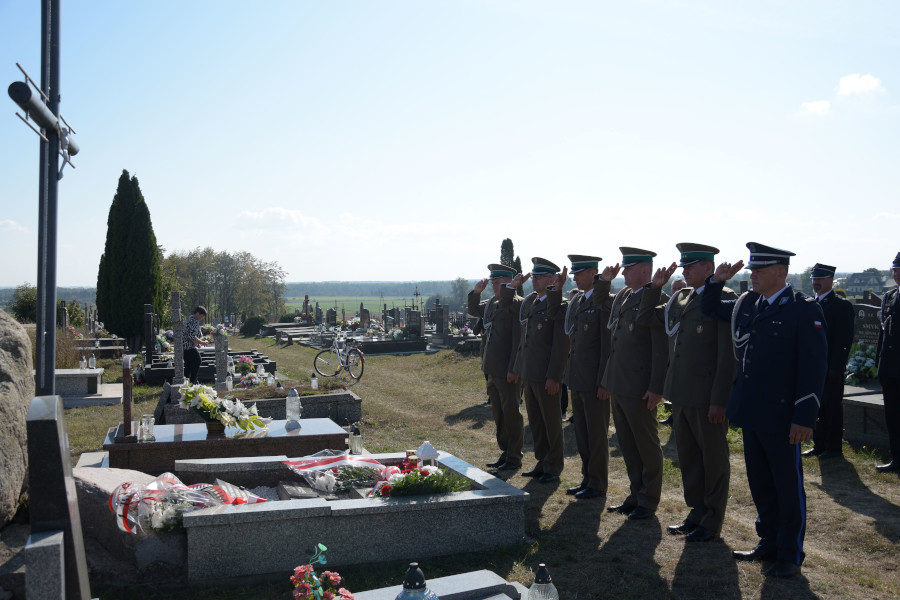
782	358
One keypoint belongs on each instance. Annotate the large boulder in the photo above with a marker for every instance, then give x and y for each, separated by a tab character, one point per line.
16	392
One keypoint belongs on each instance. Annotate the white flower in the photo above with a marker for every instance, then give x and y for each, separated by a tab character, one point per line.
396	477
228	405
253	411
431	470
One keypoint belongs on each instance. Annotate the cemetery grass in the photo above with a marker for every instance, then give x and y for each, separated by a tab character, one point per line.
853	529
349	303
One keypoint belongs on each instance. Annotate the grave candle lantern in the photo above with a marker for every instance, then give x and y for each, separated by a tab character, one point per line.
292	407
414	587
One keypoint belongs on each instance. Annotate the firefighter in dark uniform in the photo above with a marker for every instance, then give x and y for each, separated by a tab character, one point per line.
779	338
889	368
698	384
634	377
501	341
839	320
540	365
585	317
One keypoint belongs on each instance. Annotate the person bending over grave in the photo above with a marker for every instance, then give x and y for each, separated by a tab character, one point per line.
192	341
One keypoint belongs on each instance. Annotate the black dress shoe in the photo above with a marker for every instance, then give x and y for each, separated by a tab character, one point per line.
588	493
507	467
624	508
574	490
888	468
813	451
757	554
682	528
548	478
533	473
640	512
496	463
782	568
700	534
831	454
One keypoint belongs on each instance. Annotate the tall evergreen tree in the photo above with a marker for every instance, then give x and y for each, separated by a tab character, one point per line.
506	252
129	274
517	265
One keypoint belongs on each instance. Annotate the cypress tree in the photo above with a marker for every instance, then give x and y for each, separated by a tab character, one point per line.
506	252
517	265
129	275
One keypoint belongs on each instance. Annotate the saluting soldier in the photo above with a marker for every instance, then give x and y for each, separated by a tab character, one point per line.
779	337
540	364
889	368
839	320
634	378
698	383
500	339
585	317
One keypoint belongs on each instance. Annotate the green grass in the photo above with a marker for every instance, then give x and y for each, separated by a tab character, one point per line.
350	303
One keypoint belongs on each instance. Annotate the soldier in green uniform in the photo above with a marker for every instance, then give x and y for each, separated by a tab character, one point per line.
585	317
698	383
501	342
540	364
634	377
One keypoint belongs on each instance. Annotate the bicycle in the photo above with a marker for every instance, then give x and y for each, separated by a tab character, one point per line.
343	354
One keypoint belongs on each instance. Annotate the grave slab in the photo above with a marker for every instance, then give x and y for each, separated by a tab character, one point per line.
475	585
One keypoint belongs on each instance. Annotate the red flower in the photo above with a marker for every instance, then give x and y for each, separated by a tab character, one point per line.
423	473
385	490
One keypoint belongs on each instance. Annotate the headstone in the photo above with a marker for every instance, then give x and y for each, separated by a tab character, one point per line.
64	315
53	503
45	566
343	315
414	323
867	325
178	339
149	338
16	391
221	342
364	317
318	314
128	434
331	317
306	304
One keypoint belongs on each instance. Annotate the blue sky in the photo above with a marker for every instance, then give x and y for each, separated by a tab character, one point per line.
405	140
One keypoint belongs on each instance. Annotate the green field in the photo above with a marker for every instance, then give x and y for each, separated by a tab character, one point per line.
350	303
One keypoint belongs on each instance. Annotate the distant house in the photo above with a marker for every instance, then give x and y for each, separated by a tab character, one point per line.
858	283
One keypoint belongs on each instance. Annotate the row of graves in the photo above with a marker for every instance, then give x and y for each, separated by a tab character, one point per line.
265	478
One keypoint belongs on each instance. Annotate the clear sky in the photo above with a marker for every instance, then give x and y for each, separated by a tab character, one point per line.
403	140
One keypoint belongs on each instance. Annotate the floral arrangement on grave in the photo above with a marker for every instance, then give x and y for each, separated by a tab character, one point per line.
464	330
399	333
162	344
204	401
220	330
161	505
244	364
309	586
170	335
414	481
249	380
861	365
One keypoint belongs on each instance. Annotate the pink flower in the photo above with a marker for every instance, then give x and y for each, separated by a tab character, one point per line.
330	578
327	595
346	595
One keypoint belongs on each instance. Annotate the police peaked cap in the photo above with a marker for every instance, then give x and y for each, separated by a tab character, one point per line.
633	256
821	271
542	265
498	271
762	256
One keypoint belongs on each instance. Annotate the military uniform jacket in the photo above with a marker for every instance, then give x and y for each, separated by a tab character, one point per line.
638	353
839	320
701	363
782	358
585	321
543	346
501	332
889	337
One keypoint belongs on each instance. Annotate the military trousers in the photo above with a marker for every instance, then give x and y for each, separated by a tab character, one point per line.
891	390
636	431
510	424
705	470
775	475
545	421
829	432
590	415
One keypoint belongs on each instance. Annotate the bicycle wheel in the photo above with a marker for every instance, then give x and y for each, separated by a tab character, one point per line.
327	363
356	363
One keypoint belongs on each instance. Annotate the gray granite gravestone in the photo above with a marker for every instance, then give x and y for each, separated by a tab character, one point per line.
178	339
53	502
221	362
867	324
331	317
149	338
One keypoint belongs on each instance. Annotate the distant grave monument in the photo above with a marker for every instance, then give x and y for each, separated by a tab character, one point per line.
867	325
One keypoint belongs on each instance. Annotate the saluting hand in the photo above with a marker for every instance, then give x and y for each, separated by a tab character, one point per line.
560	280
479	286
610	273
519	279
662	275
726	271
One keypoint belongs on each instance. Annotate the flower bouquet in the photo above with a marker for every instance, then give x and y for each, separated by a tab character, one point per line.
249	380
307	585
244	364
416	481
861	365
204	401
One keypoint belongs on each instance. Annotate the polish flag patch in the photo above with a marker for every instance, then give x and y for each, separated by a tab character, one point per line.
818	324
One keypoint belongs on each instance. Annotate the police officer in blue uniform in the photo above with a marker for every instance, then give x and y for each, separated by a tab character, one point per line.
779	339
889	367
